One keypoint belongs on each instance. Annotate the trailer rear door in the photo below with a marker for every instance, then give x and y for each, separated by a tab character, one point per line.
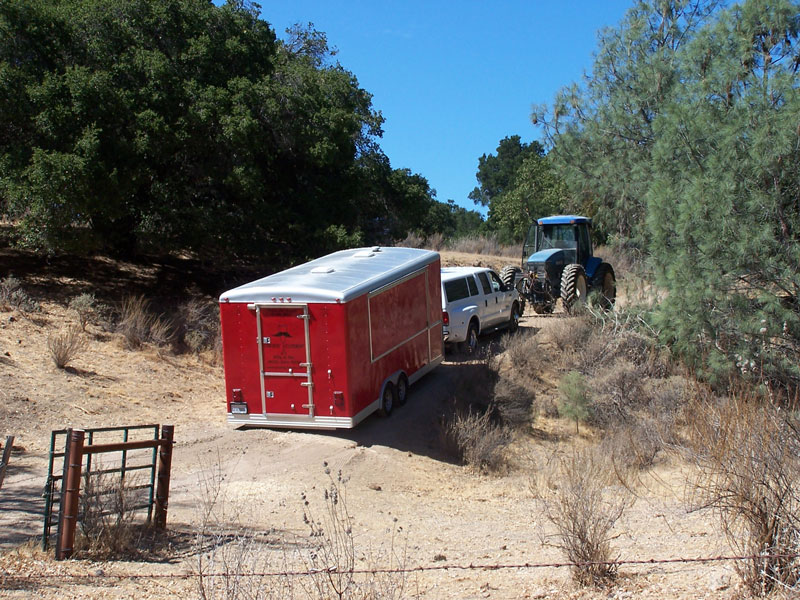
285	359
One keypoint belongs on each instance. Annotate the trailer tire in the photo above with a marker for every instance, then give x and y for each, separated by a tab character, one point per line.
402	389
388	396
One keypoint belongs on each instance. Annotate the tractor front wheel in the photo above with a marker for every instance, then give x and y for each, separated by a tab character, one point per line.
573	287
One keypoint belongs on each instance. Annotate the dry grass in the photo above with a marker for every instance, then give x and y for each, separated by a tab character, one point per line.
471	244
237	563
107	515
65	345
84	306
138	326
12	296
747	455
478	440
198	329
583	505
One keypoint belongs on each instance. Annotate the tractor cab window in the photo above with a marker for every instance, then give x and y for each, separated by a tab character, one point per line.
584	243
558	236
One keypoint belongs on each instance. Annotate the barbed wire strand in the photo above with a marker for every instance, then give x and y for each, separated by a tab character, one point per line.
419	569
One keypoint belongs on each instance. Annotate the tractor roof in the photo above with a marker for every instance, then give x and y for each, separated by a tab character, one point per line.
564	220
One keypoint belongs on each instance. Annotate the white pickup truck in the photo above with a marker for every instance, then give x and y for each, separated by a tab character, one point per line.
476	301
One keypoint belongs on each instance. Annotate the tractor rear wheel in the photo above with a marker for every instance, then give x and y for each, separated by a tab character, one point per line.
573	287
509	278
606	285
509	275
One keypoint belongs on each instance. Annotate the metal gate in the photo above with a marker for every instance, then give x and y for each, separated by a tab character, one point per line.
58	463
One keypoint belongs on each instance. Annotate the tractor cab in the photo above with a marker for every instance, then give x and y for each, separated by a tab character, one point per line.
558	263
569	234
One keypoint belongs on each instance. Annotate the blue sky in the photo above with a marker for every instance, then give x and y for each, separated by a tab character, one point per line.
453	78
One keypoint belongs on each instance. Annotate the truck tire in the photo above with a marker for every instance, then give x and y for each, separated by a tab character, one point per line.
573	287
387	399
470	345
513	322
606	285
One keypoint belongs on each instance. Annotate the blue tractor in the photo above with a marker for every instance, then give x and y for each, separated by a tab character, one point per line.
557	262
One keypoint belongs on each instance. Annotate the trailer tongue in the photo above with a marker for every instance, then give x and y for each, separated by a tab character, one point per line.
326	343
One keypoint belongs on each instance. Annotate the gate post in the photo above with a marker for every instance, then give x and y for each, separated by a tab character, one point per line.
68	518
164	468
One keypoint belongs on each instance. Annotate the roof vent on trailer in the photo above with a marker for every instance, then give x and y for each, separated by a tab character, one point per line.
322	270
365	253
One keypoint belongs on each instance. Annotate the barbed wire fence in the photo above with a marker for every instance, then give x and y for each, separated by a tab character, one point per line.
87	577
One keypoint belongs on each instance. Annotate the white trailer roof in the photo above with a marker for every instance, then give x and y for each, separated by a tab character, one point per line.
340	276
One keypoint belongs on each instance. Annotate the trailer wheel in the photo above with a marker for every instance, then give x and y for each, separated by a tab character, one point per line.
387	399
402	389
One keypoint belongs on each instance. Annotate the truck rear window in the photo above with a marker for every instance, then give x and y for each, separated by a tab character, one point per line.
456	289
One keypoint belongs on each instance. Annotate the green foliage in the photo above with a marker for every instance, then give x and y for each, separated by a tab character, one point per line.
496	172
191	125
603	130
518	185
537	192
684	142
723	207
574	397
453	221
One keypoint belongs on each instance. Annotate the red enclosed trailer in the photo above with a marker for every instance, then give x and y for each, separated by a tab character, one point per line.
326	343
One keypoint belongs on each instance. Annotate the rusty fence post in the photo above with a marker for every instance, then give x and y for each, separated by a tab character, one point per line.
6	458
164	468
70	497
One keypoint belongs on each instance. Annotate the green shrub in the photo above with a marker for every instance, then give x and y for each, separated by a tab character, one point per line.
574	397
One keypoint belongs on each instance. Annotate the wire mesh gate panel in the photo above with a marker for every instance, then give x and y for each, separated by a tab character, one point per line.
131	470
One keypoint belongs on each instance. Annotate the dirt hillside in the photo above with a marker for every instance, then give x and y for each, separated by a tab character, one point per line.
406	494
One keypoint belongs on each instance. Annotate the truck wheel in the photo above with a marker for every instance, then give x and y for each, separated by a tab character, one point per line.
387	399
402	389
573	287
470	345
513	323
509	275
606	285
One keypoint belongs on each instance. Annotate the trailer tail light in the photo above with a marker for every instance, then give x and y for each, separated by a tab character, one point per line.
445	318
238	405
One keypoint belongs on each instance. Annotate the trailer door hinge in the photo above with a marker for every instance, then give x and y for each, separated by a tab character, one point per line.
307	384
303	316
307	365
